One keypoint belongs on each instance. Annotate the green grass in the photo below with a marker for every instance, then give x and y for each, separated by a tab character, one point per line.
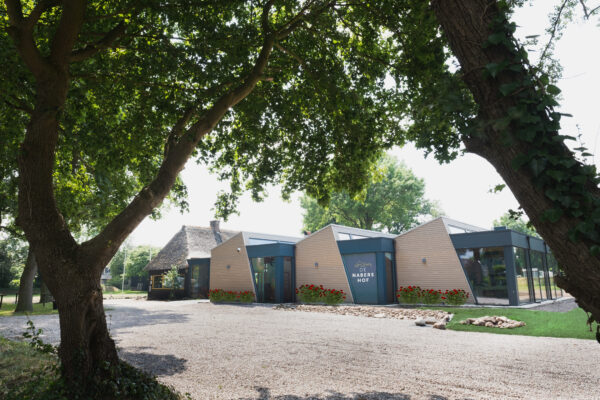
571	324
7	310
118	291
21	366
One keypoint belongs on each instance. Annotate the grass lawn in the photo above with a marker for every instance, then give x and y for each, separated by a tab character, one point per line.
571	324
7	310
22	367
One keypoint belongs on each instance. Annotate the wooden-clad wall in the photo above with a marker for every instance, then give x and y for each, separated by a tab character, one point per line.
238	277
321	247
442	269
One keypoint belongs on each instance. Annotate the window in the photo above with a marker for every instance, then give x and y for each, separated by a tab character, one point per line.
553	270
524	276
156	281
486	271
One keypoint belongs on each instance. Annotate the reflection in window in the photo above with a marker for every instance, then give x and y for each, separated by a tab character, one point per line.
389	278
523	275
553	271
156	281
264	278
486	272
539	277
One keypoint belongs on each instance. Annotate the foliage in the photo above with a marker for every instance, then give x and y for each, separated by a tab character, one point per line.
539	323
135	260
333	296
455	297
516	223
33	335
245	297
393	200
229	296
309	294
13	255
409	295
172	280
431	296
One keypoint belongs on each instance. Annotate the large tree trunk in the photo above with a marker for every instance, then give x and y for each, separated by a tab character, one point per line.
25	302
467	25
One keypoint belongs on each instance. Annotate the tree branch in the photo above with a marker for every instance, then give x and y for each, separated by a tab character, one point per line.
110	238
555	26
107	41
68	29
21	32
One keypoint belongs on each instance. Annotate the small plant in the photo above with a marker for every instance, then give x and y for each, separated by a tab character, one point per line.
220	295
33	335
216	295
409	295
431	296
230	296
333	296
171	280
246	297
310	294
455	297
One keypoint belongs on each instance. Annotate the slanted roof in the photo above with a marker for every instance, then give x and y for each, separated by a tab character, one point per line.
189	242
342	232
252	238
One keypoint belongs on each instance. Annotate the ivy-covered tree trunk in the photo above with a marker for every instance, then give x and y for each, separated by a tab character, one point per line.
518	134
25	302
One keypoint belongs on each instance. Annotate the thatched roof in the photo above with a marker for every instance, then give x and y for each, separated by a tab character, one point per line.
189	242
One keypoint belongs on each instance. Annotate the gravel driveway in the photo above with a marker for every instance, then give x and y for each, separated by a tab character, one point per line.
256	352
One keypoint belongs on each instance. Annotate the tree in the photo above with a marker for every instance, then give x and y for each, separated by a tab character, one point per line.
516	223
172	280
135	260
120	96
500	107
393	201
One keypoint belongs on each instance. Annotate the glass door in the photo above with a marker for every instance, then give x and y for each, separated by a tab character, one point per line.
263	269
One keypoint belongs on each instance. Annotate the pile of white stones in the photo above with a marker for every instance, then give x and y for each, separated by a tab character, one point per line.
493	322
429	317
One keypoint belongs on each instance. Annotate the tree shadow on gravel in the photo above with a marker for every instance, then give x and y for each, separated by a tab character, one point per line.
156	364
130	317
265	394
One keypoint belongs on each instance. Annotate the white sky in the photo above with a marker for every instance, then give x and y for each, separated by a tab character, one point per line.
461	187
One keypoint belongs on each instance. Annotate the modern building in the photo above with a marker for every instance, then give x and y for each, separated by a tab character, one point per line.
500	266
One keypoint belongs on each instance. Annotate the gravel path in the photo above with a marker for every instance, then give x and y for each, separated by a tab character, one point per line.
257	352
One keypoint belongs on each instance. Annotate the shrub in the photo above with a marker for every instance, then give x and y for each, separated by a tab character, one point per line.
333	296
455	297
431	296
229	296
310	293
246	297
216	295
219	295
409	295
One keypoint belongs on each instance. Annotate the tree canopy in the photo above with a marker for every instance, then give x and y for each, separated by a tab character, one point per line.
392	201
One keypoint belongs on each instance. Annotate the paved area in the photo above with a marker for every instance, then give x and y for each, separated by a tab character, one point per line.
257	352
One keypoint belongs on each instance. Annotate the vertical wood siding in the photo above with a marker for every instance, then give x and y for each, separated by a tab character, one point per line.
238	277
321	247
442	269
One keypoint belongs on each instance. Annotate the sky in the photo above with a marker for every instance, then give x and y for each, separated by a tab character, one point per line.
462	187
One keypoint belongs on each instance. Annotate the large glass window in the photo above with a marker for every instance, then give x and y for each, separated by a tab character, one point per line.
553	271
389	278
523	273
539	277
288	289
264	278
486	271
195	280
156	281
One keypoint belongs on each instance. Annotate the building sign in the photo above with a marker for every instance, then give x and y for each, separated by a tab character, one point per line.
362	274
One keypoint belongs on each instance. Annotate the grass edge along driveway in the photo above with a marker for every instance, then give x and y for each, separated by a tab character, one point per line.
571	324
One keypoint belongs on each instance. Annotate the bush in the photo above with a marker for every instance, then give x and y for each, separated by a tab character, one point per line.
455	297
246	297
431	296
333	296
216	295
220	295
310	294
409	295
